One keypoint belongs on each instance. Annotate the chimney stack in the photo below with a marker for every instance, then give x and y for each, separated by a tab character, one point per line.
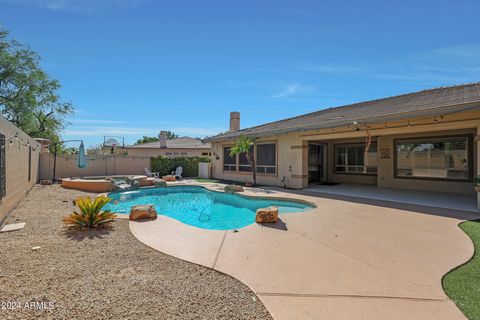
234	121
163	139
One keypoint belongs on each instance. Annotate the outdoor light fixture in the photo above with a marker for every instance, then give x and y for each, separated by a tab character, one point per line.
355	126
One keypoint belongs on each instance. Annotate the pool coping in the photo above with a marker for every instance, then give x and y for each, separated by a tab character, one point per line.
210	188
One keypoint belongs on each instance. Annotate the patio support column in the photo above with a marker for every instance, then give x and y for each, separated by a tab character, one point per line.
477	161
304	164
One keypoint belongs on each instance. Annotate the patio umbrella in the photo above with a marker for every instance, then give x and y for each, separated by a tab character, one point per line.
82	160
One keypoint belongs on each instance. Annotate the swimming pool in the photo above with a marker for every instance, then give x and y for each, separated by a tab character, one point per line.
200	207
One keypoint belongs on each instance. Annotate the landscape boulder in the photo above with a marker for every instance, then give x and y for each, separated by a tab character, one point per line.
143	212
231	188
267	215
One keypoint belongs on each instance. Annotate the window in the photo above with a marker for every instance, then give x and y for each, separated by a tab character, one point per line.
229	162
433	158
266	158
29	163
243	164
352	158
3	187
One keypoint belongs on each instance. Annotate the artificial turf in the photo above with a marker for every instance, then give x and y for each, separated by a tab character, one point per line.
462	284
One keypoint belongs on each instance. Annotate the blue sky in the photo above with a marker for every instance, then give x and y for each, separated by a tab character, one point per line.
135	67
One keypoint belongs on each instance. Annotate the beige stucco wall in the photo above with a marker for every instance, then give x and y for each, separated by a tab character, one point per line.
292	153
96	166
149	152
16	170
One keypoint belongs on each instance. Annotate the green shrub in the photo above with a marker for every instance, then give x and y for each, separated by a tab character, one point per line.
165	165
477	181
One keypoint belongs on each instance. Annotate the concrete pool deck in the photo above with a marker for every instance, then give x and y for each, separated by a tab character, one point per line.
341	260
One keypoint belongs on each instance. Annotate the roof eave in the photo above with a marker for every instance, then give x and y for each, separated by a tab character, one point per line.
367	120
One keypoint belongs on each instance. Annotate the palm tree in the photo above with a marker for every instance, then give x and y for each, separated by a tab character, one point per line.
244	145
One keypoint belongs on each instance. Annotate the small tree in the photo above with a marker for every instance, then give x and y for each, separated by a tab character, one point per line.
29	97
243	145
146	139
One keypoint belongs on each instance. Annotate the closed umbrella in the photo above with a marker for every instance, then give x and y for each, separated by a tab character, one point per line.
82	160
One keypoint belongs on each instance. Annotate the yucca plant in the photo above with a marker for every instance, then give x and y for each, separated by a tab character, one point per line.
91	214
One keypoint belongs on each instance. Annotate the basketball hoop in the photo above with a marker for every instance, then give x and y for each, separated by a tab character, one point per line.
111	141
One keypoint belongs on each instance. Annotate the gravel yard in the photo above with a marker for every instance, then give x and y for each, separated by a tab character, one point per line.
105	274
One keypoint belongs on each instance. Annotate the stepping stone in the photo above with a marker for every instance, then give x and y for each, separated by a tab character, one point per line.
13	227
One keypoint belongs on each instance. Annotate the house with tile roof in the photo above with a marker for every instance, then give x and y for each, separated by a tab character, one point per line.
177	147
425	140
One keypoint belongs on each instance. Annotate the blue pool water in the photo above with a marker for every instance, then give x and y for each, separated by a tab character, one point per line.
201	207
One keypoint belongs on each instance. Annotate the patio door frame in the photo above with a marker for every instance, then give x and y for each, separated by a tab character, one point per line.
321	162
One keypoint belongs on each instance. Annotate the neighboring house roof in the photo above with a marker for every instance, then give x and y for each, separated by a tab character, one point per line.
177	143
435	101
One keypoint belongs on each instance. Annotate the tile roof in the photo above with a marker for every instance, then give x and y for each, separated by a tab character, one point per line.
424	102
177	143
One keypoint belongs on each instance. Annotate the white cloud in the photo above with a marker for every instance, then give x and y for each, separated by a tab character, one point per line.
100	131
108	131
462	52
326	69
95	121
292	89
79	5
438	66
195	131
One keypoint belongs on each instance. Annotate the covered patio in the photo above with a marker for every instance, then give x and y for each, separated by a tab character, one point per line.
446	200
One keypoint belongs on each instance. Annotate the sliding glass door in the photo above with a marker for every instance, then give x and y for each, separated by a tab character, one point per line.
317	163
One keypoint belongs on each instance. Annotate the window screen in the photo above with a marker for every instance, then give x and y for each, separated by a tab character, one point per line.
243	164
29	163
266	158
229	162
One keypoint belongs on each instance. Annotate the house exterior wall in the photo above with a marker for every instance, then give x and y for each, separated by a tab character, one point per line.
292	153
151	152
16	166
